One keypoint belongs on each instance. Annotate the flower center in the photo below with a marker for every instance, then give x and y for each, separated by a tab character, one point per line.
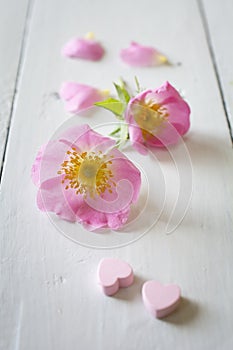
87	173
150	117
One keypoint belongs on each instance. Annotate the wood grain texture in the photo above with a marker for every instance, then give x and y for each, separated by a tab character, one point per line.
219	22
48	294
13	16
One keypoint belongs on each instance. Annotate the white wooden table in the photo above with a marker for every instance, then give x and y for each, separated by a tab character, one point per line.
48	294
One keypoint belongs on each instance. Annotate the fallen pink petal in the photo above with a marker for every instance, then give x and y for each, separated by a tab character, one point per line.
157	118
79	97
85	48
82	177
142	56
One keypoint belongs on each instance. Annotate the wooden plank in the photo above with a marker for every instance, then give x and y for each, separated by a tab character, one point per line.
12	24
48	293
218	16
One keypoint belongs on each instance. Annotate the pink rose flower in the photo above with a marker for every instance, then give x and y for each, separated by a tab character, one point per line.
79	97
142	56
157	118
84	48
82	177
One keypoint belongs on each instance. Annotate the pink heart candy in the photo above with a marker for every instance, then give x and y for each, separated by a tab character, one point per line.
114	274
160	300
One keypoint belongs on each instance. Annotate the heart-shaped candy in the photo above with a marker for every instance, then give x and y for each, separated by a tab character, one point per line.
114	274
160	300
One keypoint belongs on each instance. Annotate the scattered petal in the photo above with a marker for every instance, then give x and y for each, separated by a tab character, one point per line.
79	97
35	173
142	56
85	48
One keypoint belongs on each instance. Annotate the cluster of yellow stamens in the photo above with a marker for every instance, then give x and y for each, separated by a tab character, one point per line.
87	172
150	117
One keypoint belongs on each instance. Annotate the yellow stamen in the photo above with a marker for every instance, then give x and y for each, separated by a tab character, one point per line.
150	116
105	92
90	36
87	173
162	59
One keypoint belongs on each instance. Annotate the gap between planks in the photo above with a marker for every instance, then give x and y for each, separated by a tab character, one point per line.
17	78
215	65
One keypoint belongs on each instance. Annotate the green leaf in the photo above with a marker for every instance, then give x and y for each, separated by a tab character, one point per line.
115	106
122	93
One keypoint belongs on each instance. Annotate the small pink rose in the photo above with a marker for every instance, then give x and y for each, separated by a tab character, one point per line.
157	118
82	177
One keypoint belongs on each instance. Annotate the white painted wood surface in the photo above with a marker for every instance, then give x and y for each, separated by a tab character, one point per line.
13	15
48	293
219	17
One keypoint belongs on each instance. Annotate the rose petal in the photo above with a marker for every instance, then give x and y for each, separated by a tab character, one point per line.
69	89
79	97
167	136
83	137
35	171
136	138
87	49
123	169
48	160
177	108
142	56
98	219
51	198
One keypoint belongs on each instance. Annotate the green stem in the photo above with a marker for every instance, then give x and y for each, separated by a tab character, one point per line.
114	132
137	84
121	133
